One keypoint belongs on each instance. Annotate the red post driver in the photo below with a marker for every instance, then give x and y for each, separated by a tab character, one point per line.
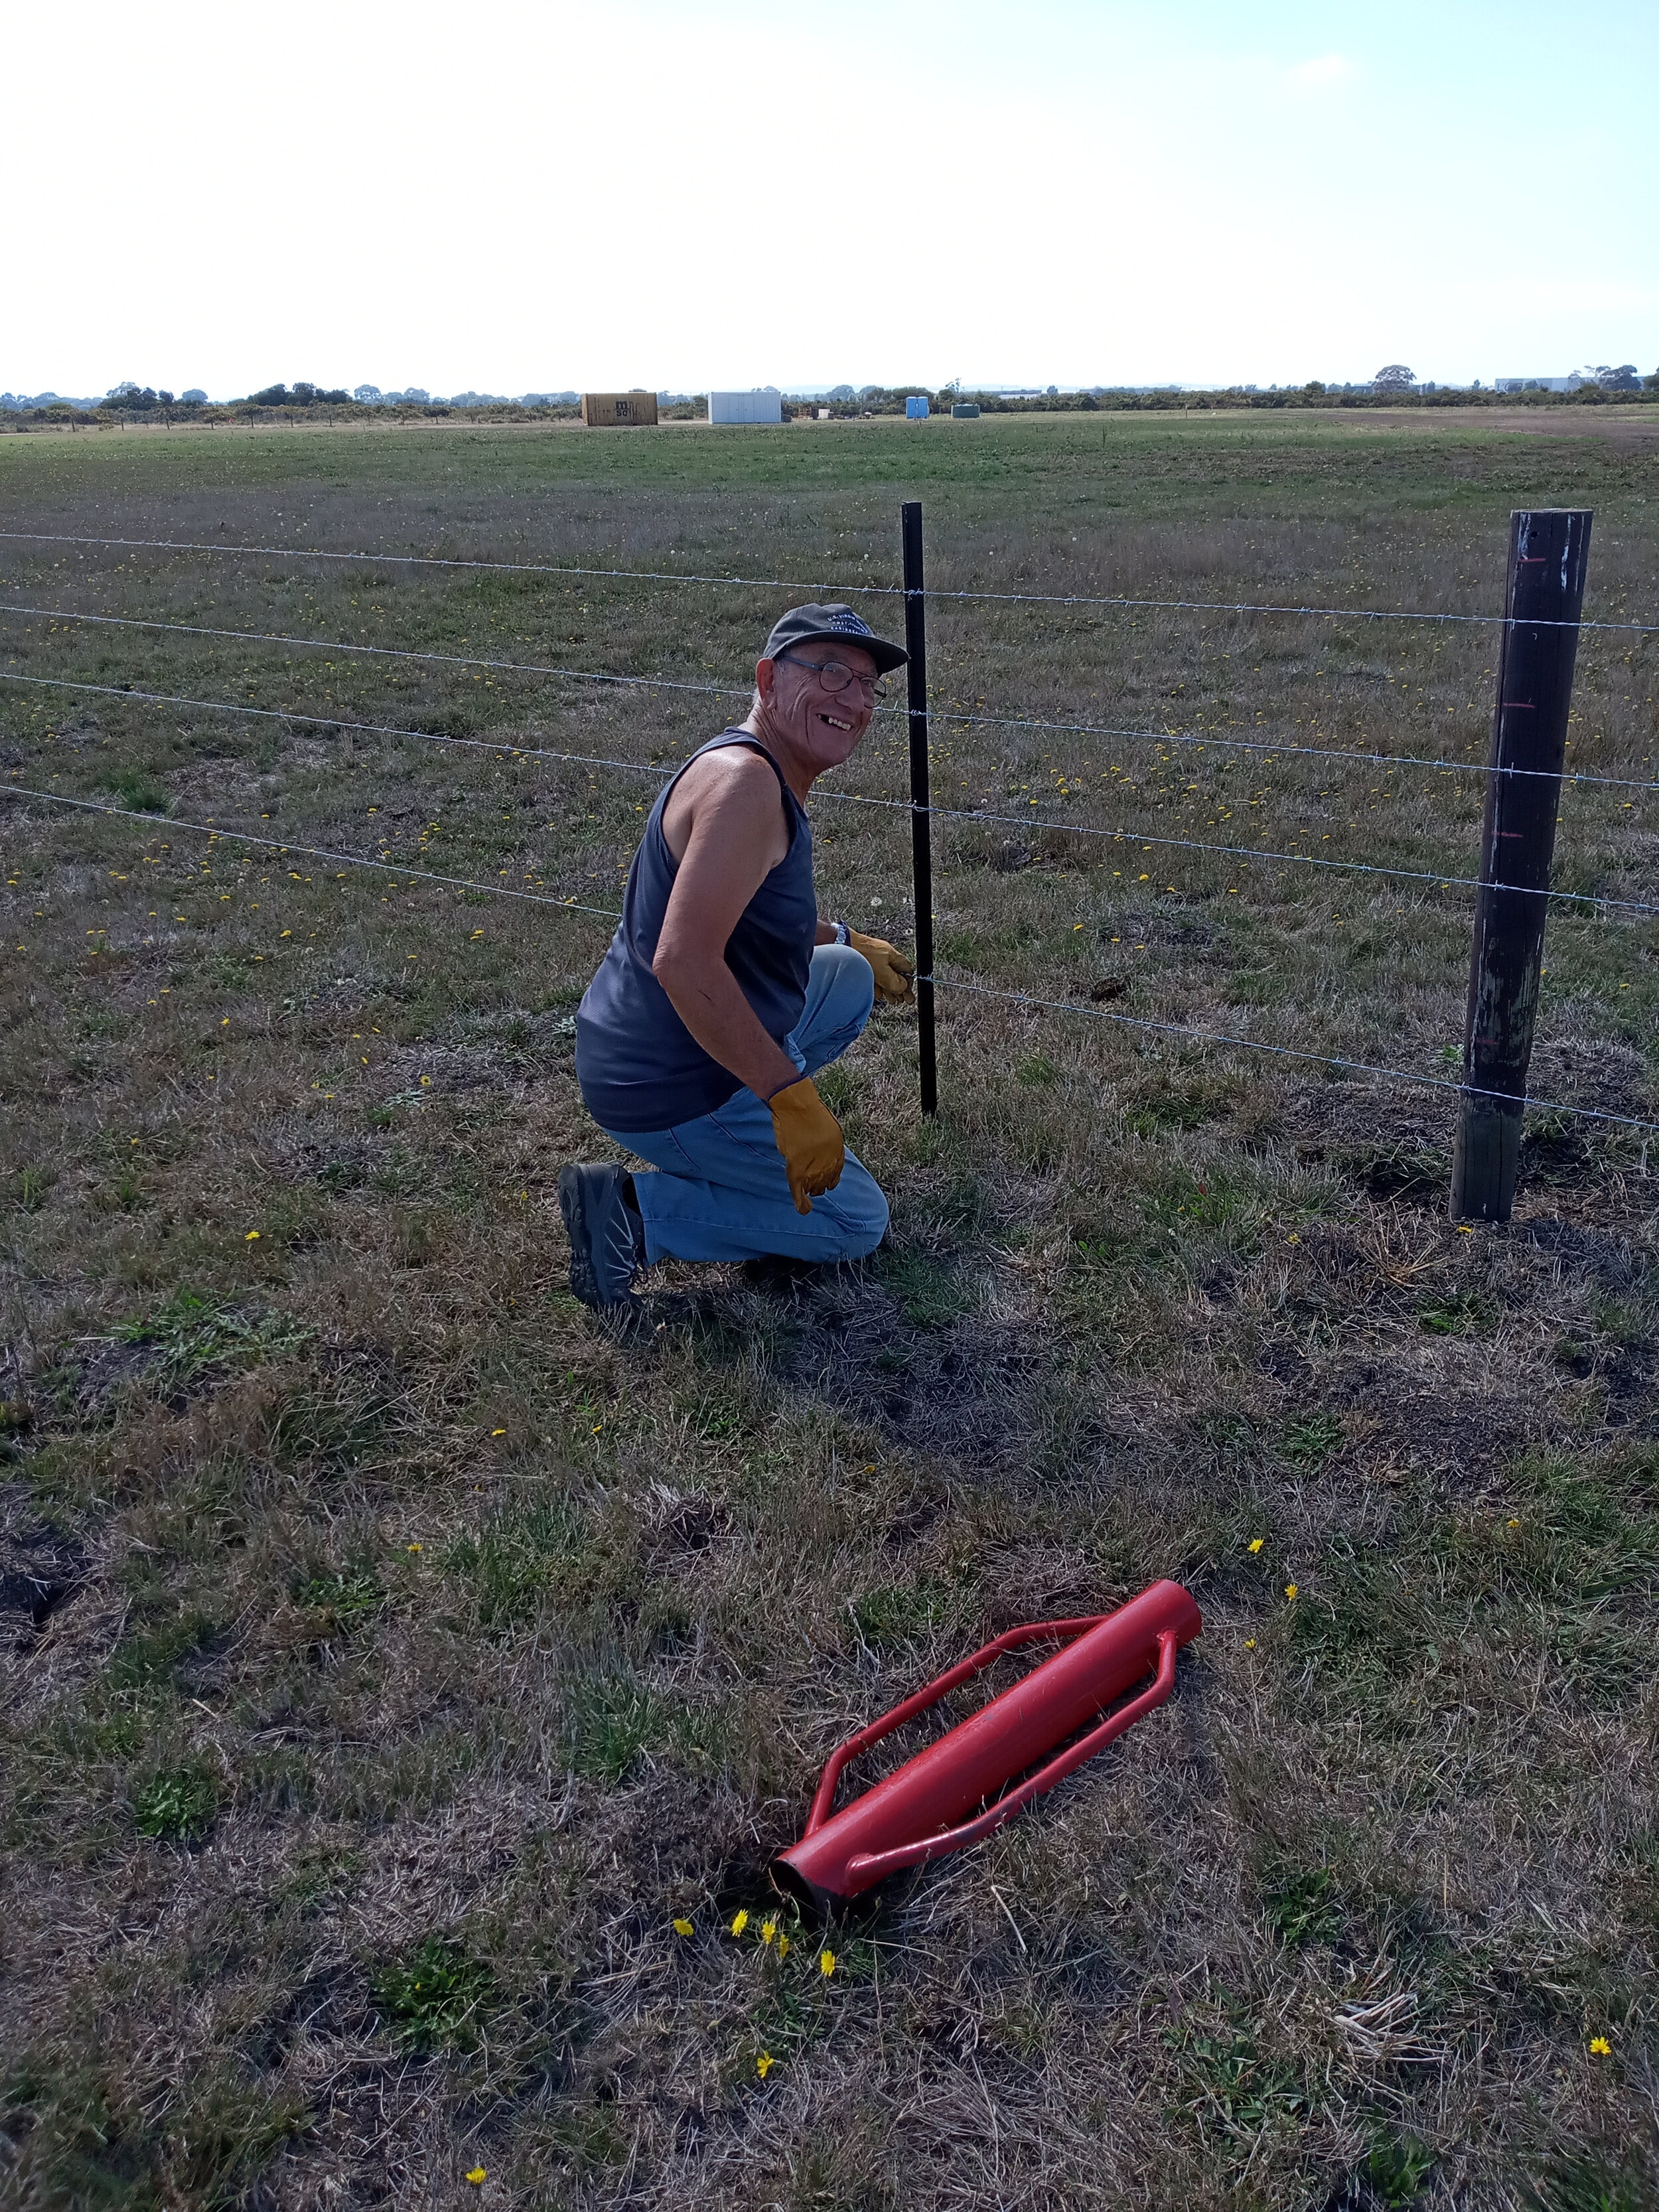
917	1813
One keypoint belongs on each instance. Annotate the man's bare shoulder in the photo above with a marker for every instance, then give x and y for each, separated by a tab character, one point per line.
731	794
735	775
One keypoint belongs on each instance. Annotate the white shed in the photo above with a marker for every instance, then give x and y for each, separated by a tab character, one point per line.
746	407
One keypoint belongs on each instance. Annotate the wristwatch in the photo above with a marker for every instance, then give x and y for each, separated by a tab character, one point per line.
843	935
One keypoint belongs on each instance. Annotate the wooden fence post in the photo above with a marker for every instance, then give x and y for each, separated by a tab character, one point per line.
921	819
1549	550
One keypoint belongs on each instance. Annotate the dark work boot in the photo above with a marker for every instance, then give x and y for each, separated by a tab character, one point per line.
607	1236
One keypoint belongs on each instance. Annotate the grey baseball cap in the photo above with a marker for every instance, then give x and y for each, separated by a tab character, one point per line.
802	623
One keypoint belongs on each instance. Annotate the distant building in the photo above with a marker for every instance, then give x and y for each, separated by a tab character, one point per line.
1539	383
619	411
765	406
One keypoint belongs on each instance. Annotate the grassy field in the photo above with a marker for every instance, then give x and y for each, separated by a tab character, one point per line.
395	1657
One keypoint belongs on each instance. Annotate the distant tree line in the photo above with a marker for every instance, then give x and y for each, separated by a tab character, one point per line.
1393	385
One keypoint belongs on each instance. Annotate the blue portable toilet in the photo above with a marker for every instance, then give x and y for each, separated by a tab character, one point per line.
915	407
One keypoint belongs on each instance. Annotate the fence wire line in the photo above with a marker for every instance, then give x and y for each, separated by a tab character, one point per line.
663	772
1284	1052
334	722
212	831
381	652
1145	837
785	583
935	713
1301	752
216	836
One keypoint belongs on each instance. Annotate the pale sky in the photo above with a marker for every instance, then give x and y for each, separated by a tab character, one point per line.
515	197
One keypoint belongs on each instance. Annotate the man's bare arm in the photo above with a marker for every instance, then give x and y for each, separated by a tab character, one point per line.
736	837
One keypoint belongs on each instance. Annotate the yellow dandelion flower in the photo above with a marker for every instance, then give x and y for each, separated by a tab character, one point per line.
1256	1543
1600	2047
252	1236
764	2064
826	1963
682	1927
768	1929
414	1547
1250	1644
783	1946
478	2175
498	1432
740	1921
1290	1591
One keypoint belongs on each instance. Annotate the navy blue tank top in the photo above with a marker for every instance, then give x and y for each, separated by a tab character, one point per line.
639	1067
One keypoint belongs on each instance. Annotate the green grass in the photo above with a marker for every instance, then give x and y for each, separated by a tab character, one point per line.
177	1806
132	787
191	1331
1299	1904
435	1998
1397	2168
412	1652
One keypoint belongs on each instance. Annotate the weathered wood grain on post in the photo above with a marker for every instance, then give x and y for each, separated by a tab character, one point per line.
1548	554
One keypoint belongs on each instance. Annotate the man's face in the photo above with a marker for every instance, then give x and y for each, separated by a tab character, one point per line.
822	724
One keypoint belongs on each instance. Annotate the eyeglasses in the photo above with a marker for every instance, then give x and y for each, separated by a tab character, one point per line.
835	675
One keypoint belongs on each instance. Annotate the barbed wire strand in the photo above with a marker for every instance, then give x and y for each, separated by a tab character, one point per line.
380	651
786	584
936	713
1283	1052
1146	838
216	836
336	722
1303	752
212	831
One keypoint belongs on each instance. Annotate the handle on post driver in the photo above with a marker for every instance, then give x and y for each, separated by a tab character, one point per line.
1010	1640
876	1866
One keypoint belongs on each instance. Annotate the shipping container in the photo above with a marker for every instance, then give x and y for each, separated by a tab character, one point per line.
745	407
965	410
612	410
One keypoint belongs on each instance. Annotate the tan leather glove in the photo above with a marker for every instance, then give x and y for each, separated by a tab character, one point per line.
809	1137
892	971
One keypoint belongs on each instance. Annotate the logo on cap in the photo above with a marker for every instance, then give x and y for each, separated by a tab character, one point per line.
849	621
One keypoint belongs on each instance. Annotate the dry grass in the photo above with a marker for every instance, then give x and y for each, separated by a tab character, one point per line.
393	1653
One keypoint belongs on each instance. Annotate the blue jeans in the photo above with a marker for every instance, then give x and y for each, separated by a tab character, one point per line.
721	1192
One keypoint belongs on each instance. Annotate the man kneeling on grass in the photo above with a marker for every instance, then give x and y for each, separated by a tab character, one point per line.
723	994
